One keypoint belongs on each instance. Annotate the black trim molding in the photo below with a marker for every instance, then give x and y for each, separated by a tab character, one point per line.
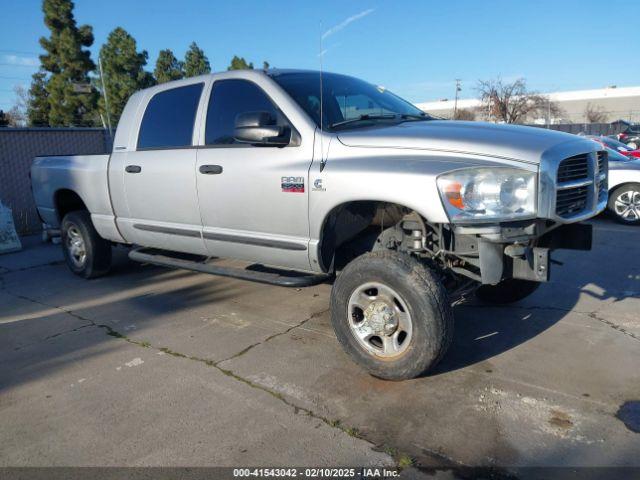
224	237
259	242
167	230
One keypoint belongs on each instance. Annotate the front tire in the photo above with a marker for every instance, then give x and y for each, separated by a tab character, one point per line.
391	314
624	204
87	254
507	291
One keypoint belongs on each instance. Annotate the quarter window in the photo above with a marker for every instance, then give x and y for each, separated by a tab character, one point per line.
169	118
228	99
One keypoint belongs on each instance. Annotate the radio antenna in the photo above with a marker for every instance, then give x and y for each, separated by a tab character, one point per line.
321	103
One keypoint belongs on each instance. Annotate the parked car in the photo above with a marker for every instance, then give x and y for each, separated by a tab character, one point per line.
630	136
624	188
409	212
616	145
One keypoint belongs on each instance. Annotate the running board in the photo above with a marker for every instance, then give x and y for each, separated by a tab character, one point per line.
261	274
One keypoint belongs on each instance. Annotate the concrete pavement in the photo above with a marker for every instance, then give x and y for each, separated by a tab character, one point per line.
149	366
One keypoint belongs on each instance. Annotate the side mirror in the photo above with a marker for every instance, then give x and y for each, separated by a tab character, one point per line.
260	128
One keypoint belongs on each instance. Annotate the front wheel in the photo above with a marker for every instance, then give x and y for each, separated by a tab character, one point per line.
624	204
391	314
86	253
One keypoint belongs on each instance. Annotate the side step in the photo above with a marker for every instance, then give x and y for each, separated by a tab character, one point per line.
253	273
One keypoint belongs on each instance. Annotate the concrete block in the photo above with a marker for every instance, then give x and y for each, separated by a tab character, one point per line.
9	240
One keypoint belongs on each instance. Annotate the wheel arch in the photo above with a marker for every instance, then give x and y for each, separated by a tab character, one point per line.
66	200
623	184
354	220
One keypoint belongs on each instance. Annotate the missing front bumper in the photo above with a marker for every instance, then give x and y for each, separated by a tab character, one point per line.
499	261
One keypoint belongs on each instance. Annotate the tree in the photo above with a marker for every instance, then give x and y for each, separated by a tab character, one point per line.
595	114
465	114
72	101
4	119
195	61
168	67
512	102
38	101
122	72
239	63
18	112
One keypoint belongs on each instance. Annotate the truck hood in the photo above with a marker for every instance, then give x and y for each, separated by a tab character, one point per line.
513	142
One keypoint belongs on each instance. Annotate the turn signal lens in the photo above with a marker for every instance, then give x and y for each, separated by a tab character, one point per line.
452	193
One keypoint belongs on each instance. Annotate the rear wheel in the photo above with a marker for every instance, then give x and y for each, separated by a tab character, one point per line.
391	314
624	204
86	253
508	291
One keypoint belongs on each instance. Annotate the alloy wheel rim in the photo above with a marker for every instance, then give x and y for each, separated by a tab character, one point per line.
627	205
379	319
76	246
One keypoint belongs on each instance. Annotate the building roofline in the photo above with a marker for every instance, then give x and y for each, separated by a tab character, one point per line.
594	94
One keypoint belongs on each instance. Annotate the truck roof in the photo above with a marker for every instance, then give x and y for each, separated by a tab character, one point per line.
248	73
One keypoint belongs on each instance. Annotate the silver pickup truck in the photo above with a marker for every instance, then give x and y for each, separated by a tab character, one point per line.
312	177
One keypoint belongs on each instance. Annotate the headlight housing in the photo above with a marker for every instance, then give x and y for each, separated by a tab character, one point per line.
488	194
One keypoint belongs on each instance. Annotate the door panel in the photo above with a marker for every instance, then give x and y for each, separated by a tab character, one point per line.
156	178
246	213
249	207
161	200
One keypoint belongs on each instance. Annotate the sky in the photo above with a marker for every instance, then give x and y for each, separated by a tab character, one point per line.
415	48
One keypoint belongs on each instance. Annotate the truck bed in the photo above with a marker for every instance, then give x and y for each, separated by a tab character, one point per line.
55	178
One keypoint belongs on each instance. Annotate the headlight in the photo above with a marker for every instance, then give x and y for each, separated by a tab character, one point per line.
486	194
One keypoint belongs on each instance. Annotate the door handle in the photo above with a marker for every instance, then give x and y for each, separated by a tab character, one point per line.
133	169
211	169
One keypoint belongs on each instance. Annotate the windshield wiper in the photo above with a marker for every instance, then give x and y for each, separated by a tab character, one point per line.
366	116
415	116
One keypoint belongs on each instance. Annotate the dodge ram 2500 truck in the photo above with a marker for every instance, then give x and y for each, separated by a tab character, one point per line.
320	175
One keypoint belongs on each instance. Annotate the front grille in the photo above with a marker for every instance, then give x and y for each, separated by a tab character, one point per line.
603	168
570	201
573	168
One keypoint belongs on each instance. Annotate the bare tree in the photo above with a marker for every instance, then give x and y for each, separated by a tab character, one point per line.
18	112
465	114
594	113
513	103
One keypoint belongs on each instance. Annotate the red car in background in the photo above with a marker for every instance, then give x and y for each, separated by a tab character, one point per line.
631	135
616	145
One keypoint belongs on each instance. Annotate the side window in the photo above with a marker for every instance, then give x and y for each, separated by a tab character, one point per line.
169	118
228	99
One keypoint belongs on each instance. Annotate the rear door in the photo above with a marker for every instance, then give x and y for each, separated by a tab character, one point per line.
253	199
159	179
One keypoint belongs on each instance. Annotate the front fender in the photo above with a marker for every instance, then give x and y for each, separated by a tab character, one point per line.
623	172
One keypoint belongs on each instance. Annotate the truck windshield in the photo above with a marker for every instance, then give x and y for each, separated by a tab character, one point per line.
347	101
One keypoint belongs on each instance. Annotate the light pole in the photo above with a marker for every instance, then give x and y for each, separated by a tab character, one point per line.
455	102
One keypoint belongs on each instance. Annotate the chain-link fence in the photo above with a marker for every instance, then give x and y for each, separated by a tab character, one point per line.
585	128
18	147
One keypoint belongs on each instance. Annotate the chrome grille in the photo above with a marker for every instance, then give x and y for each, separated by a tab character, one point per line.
572	195
573	168
603	168
571	201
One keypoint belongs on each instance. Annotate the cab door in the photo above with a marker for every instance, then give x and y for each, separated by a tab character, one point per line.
253	199
159	176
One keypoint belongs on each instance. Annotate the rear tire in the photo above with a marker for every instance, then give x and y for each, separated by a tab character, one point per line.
391	314
624	204
508	291
87	254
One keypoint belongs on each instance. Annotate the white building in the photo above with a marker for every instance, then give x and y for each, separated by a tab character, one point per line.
617	103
